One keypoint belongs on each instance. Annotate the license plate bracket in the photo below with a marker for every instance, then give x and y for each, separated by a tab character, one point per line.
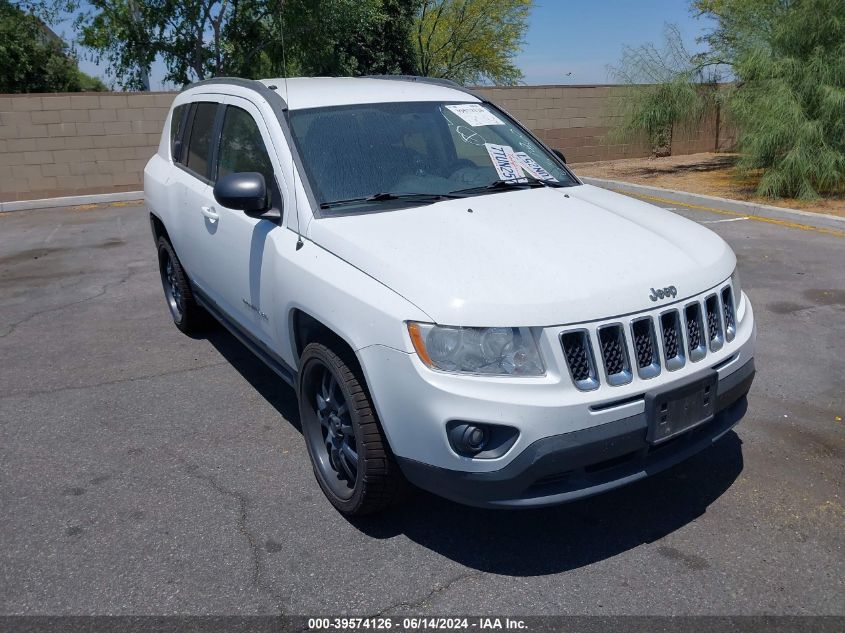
674	411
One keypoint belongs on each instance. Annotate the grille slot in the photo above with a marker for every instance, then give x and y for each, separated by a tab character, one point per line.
614	354
645	347
714	323
728	311
697	347
579	358
673	340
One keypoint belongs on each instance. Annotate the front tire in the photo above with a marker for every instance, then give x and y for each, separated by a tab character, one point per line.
187	314
350	455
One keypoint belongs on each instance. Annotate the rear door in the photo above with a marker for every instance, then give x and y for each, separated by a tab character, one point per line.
195	160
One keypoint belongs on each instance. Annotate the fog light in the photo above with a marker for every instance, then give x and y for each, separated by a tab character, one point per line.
468	439
480	440
475	438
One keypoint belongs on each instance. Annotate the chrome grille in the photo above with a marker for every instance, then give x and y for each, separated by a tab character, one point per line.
696	346
714	323
728	310
579	358
673	343
643	342
668	340
614	354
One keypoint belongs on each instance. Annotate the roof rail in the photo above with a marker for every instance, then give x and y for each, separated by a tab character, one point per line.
264	90
437	81
251	84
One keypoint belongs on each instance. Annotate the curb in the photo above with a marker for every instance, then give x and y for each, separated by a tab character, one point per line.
684	197
70	201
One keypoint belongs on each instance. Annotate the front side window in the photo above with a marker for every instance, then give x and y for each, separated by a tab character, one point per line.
199	143
241	146
428	148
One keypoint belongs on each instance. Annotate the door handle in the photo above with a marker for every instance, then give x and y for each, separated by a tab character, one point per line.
210	213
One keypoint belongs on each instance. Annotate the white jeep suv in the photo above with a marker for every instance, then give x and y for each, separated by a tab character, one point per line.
453	307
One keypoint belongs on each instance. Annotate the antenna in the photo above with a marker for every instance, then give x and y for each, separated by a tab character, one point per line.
299	242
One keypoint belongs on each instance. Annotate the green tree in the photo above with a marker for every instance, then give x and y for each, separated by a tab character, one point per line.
464	40
321	37
363	37
130	34
787	62
198	39
470	41
669	88
789	102
34	59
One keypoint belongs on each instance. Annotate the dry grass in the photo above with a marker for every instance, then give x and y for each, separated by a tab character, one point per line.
709	174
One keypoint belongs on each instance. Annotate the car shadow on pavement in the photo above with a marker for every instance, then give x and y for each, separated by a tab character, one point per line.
540	541
263	379
561	538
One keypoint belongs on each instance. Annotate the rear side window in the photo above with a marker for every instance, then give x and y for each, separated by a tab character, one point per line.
176	131
241	146
199	144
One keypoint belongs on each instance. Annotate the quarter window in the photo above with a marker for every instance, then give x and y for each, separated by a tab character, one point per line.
242	148
176	131
199	145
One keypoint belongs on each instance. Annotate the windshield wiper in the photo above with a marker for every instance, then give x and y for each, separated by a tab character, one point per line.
504	185
386	196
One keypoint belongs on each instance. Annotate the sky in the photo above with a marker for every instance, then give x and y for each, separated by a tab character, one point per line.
567	42
571	42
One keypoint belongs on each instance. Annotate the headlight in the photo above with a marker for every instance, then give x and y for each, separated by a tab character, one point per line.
498	351
736	285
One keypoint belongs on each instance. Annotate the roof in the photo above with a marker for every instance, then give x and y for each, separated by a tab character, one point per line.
315	92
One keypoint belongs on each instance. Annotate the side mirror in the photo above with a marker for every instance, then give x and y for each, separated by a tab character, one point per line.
559	154
245	191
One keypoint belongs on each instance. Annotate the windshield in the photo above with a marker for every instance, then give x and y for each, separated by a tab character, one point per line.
371	156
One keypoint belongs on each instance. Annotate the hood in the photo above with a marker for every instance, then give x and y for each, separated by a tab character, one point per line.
531	257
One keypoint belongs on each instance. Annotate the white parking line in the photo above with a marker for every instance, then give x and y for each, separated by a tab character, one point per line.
728	220
52	233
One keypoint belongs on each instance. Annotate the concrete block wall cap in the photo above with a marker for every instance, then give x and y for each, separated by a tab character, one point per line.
70	201
724	204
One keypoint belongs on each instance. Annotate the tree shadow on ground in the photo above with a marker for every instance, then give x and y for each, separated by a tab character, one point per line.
714	163
542	541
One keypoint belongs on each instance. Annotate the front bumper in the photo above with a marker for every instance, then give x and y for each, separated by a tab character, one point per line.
553	418
586	462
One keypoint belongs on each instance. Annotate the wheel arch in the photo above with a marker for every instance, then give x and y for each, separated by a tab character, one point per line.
158	228
307	329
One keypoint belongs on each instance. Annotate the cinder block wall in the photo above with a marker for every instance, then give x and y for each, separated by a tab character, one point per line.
576	119
72	144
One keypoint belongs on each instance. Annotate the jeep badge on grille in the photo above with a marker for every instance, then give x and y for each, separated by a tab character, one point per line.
662	293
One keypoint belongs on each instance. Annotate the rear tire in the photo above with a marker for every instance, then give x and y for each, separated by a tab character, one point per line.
352	461
187	314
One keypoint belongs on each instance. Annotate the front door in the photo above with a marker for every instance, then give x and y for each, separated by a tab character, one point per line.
233	260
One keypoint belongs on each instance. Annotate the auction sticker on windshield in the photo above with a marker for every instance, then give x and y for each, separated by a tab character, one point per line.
533	167
475	114
506	163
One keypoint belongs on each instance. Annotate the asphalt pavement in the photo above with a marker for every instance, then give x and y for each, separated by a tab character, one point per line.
145	472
